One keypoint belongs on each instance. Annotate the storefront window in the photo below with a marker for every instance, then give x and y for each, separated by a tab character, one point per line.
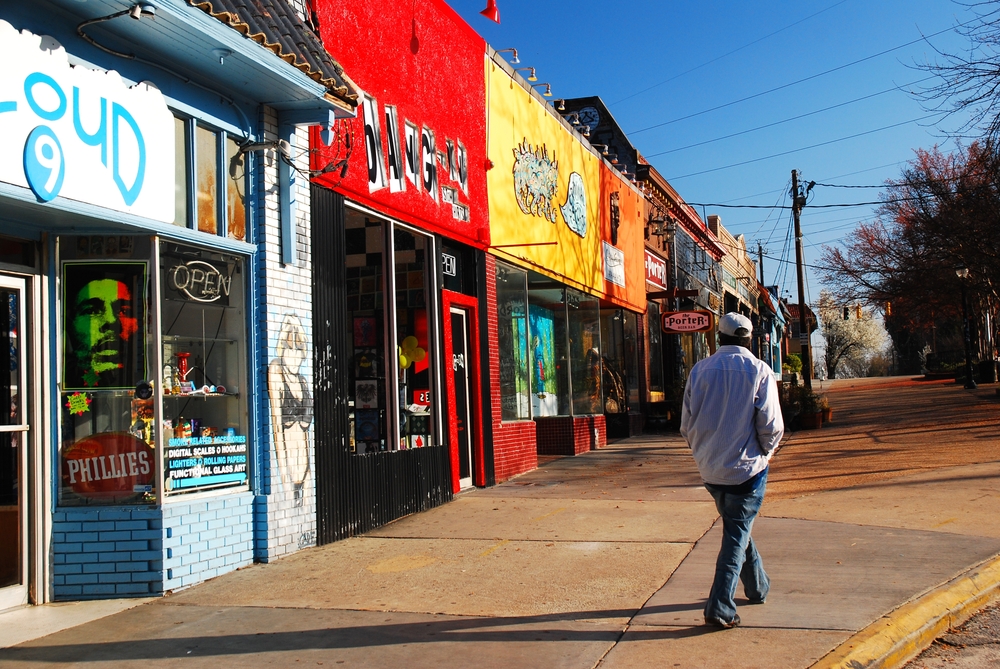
411	256
107	441
204	413
364	237
630	332
583	315
549	380
181	186
512	342
615	393
654	351
236	213
207	167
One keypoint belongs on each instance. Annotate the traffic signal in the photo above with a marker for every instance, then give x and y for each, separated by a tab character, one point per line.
888	308
858	311
847	313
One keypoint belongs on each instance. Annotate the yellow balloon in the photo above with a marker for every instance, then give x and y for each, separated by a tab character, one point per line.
404	362
418	354
410	343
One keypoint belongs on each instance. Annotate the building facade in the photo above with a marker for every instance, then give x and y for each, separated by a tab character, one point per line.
150	441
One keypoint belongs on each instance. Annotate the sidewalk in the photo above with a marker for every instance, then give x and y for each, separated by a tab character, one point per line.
605	560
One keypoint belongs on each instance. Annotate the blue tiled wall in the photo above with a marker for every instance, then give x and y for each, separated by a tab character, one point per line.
107	553
205	538
122	552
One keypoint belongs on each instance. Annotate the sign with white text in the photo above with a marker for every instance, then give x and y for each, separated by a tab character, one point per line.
683	322
81	134
656	270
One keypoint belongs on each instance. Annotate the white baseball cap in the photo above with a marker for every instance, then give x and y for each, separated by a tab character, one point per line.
735	325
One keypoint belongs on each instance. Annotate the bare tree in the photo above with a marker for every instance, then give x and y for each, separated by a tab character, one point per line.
968	84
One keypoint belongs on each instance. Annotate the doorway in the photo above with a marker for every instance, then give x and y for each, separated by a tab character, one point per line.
462	380
16	406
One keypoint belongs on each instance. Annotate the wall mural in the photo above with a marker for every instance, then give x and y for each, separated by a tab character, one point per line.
574	211
291	405
536	181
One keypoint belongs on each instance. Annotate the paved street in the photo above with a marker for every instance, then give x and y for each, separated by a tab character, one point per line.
605	559
973	645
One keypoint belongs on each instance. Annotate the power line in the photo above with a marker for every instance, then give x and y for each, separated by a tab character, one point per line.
787	120
794	83
804	148
728	53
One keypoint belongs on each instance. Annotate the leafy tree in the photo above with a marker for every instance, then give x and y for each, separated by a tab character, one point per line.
850	343
938	216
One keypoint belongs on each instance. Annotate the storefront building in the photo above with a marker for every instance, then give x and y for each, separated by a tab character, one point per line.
682	275
141	241
399	207
566	255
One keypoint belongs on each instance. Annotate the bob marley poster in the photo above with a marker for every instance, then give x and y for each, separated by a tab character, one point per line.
104	325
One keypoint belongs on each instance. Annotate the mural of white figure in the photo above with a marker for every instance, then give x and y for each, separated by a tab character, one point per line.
291	405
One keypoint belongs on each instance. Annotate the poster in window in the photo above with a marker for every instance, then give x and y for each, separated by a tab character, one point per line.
104	325
541	322
365	331
367	425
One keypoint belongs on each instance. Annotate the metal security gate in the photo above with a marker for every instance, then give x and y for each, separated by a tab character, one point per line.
355	493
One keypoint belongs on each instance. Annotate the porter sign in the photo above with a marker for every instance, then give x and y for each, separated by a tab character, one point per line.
682	322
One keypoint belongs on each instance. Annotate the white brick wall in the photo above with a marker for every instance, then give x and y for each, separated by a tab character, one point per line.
286	289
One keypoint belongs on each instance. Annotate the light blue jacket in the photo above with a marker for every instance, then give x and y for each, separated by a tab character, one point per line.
731	418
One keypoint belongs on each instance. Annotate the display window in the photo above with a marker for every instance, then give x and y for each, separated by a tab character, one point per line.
550	391
583	315
391	335
512	342
654	352
203	416
153	374
107	444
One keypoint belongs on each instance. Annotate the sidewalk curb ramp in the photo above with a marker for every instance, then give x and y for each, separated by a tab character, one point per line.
899	636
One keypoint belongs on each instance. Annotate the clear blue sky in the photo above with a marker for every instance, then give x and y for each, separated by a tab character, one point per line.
654	62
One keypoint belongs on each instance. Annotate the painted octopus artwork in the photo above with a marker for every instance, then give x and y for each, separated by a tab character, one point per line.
574	211
536	181
291	405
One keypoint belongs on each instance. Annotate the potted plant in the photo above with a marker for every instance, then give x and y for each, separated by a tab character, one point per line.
811	417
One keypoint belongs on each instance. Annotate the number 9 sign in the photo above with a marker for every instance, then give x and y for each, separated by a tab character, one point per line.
43	163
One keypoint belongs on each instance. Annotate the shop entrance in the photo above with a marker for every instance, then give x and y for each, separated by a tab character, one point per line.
16	402
462	380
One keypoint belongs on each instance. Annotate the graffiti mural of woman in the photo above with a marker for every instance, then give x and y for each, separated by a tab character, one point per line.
291	405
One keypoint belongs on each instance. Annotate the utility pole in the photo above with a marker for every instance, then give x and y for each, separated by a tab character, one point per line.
760	263
799	201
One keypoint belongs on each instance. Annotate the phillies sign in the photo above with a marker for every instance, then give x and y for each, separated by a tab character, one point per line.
682	322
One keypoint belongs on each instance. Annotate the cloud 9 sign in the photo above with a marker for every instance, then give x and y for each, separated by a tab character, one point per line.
82	134
682	322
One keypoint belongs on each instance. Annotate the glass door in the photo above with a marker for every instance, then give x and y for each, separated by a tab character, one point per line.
14	412
462	413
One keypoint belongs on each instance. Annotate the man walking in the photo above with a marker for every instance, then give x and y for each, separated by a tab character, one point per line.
732	421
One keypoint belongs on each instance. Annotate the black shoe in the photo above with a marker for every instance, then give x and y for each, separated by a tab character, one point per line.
719	622
758	601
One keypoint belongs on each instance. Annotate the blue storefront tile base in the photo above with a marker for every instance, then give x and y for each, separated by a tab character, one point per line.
102	553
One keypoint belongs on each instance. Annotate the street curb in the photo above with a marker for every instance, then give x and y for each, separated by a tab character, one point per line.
898	637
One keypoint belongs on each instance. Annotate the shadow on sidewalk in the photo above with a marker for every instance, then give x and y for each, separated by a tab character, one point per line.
577	626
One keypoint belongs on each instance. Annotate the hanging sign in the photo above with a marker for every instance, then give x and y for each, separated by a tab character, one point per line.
614	265
82	134
683	322
656	270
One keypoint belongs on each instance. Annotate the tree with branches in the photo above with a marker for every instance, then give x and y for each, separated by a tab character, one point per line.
850	341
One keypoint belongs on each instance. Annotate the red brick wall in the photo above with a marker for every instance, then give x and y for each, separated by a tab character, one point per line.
570	435
514	449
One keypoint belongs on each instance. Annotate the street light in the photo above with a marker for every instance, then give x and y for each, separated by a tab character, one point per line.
963	273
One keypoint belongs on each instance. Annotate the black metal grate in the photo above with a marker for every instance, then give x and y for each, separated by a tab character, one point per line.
355	493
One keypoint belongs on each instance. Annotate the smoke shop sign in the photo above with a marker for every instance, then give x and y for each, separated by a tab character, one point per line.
681	322
82	134
200	281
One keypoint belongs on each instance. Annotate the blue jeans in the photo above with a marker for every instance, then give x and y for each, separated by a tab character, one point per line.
738	557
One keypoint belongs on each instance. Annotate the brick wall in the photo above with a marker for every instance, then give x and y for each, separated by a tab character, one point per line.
285	508
205	538
106	553
514	449
570	435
